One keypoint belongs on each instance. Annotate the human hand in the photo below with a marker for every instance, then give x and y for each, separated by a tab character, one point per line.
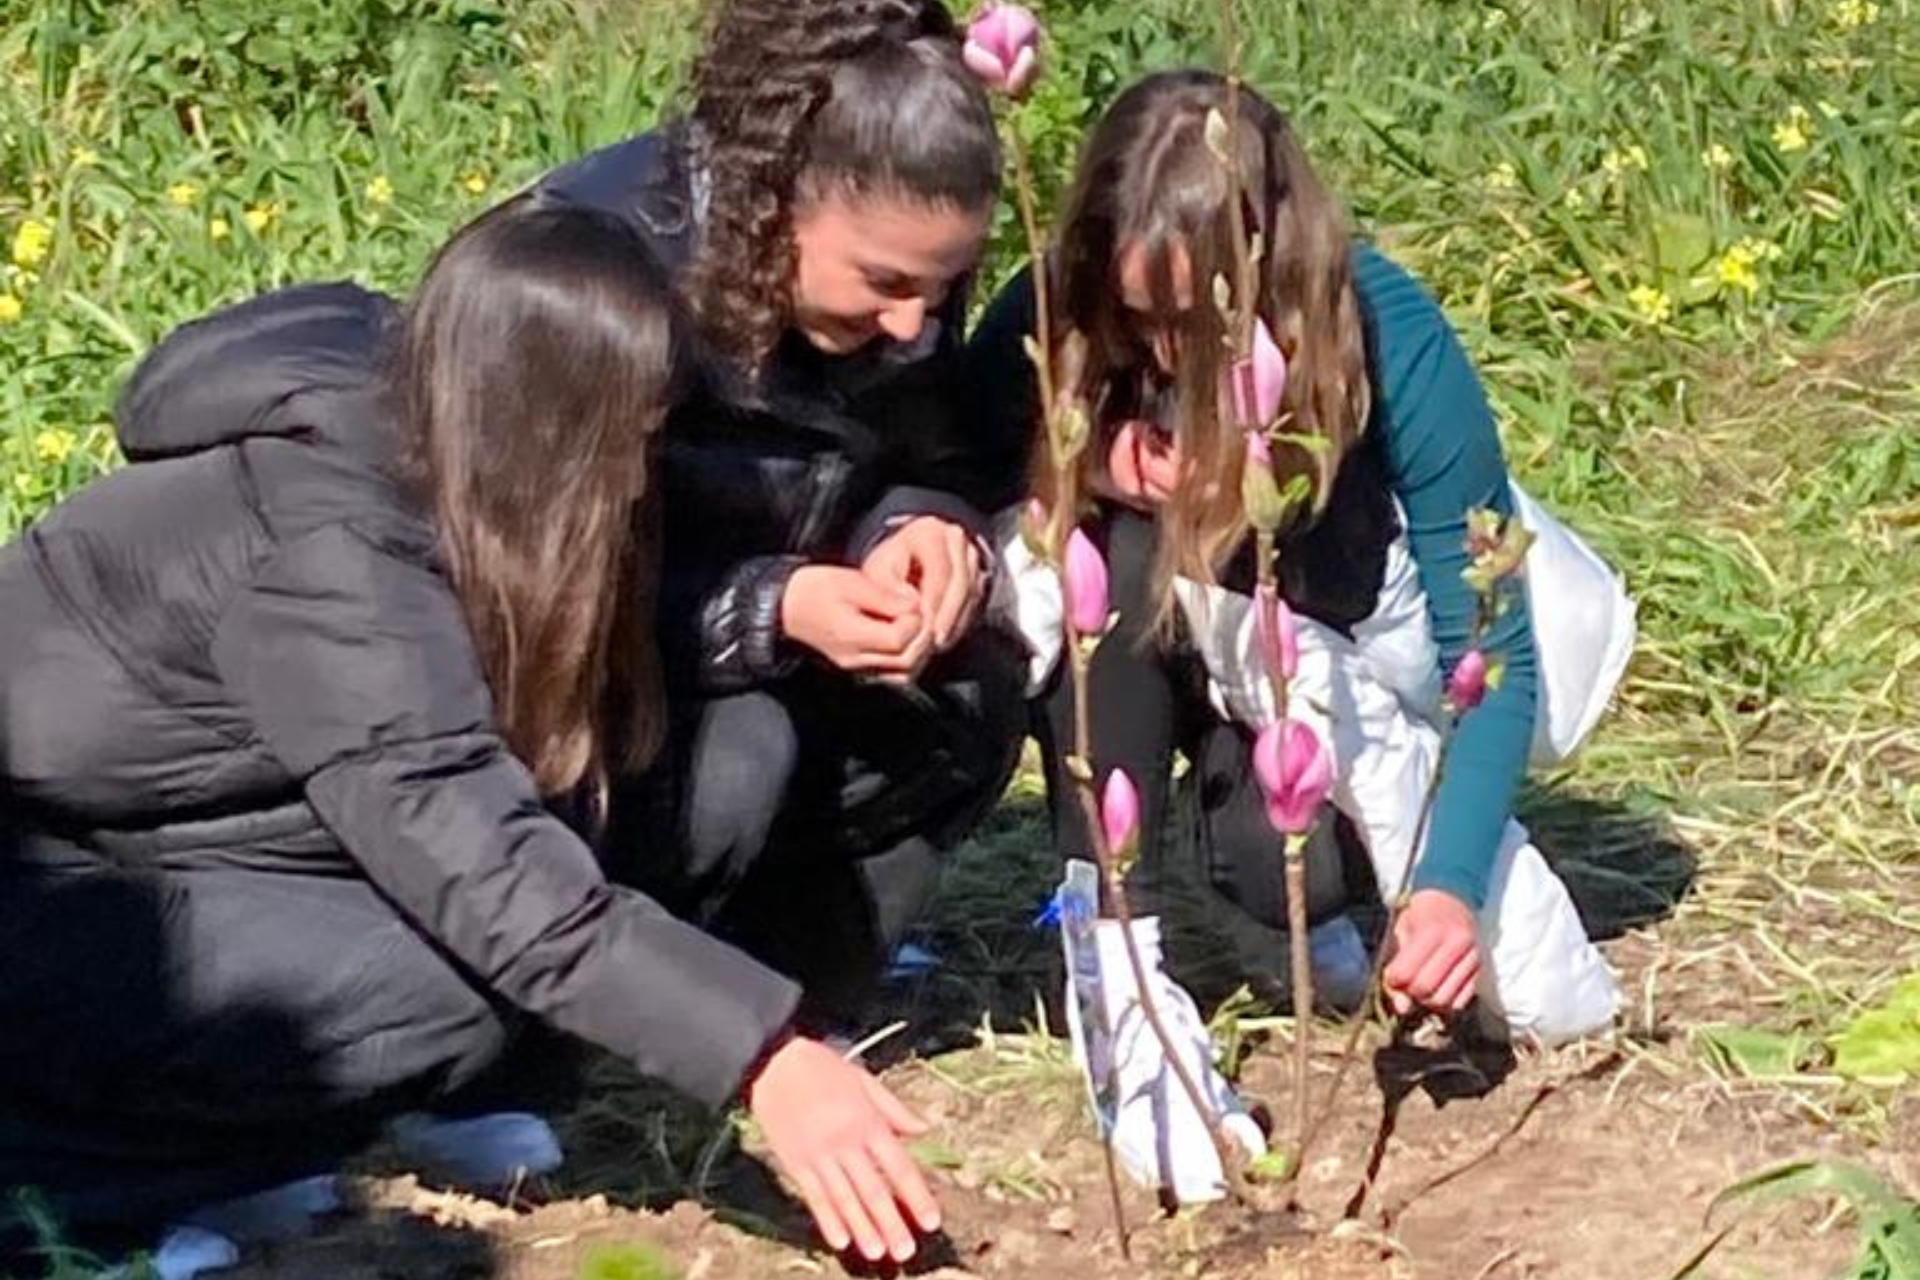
836	1132
1143	464
855	622
1436	955
941	563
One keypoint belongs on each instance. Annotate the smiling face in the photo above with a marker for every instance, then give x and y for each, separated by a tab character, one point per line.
872	266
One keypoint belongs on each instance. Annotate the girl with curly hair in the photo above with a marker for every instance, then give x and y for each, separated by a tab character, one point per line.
837	722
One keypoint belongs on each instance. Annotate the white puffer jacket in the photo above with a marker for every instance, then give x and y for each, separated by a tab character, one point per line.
1376	700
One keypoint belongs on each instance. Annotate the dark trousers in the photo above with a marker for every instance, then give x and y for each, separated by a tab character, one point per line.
170	1038
1148	702
806	821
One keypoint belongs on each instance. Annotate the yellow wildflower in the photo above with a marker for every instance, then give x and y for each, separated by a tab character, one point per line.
1621	159
1503	177
475	182
31	243
1654	306
1575	198
183	194
85	157
10	308
1735	271
219	229
1790	134
1717	157
55	446
380	190
259	217
1849	14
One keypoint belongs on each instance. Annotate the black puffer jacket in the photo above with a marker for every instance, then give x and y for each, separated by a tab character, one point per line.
241	649
814	465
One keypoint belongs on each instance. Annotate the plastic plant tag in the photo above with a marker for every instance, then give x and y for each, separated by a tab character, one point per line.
1078	901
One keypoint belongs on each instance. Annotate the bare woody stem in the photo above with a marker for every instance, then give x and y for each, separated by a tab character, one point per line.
1057	533
1396	905
1300	957
1040	273
1482	623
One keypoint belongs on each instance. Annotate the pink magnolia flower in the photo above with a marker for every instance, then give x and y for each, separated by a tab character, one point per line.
1259	381
1120	811
1086	583
1278	632
1295	772
1003	48
1467	686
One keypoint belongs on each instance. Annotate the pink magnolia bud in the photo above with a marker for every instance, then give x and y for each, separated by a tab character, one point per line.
1259	381
1120	812
1295	772
1278	632
1086	582
1003	48
1467	686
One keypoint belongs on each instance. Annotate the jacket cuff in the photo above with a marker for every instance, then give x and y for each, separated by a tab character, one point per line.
742	642
909	502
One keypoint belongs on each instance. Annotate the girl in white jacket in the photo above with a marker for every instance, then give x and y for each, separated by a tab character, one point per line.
1407	448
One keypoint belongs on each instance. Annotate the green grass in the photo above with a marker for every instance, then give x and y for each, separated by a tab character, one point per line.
1680	240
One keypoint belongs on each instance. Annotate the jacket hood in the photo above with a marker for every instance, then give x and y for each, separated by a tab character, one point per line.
219	380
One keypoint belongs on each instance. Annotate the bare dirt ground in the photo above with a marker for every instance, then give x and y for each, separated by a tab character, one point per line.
1600	1160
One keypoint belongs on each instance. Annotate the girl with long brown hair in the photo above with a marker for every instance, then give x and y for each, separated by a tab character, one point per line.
310	718
1390	440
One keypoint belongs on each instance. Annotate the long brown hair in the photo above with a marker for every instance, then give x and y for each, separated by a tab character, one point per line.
801	99
1148	179
539	356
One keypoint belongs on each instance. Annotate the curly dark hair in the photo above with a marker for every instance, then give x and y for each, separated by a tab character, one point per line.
798	100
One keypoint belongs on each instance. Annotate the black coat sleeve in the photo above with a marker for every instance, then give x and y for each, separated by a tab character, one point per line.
358	669
999	387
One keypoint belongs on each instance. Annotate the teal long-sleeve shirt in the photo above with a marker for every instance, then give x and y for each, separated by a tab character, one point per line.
1443	456
1444	459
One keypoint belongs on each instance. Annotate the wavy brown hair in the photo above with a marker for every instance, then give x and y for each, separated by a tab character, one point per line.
1147	178
538	358
800	100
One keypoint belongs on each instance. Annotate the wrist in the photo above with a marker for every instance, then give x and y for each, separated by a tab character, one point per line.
757	1068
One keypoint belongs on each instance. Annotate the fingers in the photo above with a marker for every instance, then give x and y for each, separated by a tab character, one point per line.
1456	989
882	1206
964	588
851	1206
1411	948
895	1112
833	1229
883	599
1443	955
938	574
890	564
905	1183
1433	968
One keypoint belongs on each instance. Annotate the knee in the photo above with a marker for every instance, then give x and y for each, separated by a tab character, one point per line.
744	754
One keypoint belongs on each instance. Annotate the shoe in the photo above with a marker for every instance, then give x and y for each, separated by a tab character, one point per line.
479	1153
1342	968
186	1252
209	1239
